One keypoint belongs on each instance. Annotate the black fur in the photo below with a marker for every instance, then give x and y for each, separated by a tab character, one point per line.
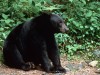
34	41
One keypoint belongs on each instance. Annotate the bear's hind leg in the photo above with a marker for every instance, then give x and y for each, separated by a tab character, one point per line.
14	59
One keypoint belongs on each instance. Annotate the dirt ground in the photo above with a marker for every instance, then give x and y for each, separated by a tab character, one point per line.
87	70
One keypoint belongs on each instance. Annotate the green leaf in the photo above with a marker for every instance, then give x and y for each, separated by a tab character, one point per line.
48	1
93	19
98	9
91	28
81	27
71	0
89	13
50	8
1	29
86	26
87	32
83	1
4	16
30	2
64	16
4	35
75	23
8	21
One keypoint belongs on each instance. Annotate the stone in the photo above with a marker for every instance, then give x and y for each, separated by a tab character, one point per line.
93	63
96	52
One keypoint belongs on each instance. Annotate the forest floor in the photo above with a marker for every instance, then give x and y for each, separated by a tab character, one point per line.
75	67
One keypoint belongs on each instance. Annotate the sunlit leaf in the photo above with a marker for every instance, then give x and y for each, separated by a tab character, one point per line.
89	13
4	16
1	29
83	1
91	28
71	0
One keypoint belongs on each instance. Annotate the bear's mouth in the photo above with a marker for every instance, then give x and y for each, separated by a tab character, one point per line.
64	29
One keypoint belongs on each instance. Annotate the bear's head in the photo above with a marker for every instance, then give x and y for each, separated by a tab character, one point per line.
51	23
58	24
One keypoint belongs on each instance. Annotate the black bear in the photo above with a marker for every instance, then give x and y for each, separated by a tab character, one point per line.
34	41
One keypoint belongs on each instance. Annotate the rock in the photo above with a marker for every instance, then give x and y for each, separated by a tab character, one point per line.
67	69
96	52
98	71
45	73
80	66
74	67
93	63
70	66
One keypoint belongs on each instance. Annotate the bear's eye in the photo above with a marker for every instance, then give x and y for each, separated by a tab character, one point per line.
60	21
60	24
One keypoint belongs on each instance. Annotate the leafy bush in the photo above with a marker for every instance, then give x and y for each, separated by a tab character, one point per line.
82	17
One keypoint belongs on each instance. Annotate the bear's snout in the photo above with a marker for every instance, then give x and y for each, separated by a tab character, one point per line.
64	29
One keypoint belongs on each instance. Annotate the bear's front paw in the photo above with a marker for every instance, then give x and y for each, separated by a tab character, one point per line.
58	70
27	66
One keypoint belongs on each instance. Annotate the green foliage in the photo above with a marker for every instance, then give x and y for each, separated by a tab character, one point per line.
81	16
13	12
83	19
